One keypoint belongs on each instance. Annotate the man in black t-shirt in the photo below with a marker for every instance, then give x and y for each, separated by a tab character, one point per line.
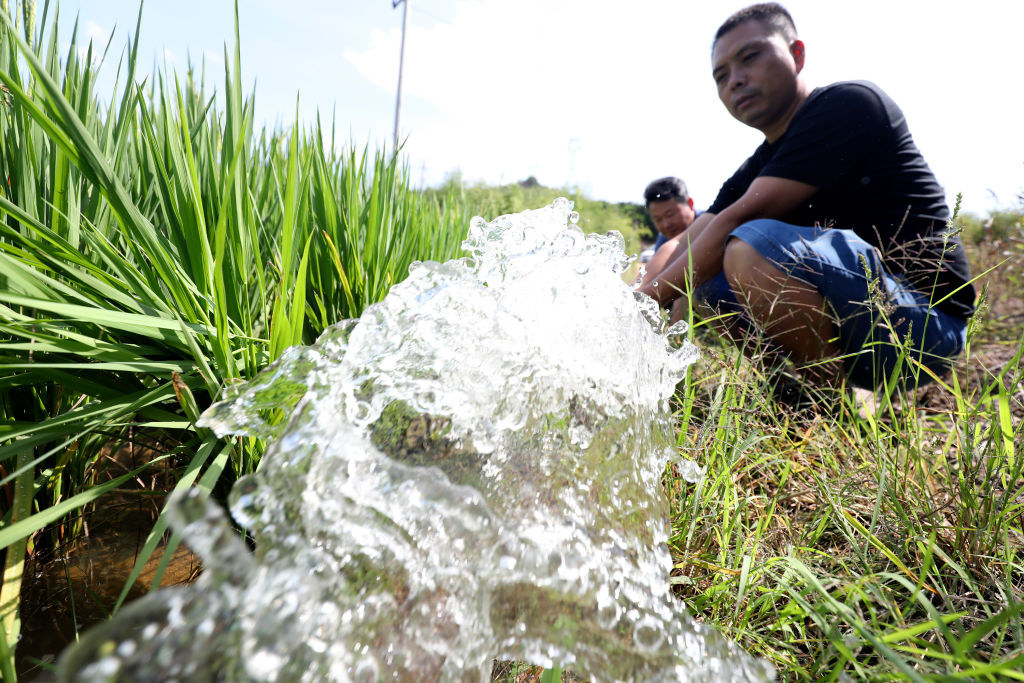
831	239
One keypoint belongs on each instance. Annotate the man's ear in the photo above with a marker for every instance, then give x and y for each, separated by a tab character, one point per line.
689	201
797	49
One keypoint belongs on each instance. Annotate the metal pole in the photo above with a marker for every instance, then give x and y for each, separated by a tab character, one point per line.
401	61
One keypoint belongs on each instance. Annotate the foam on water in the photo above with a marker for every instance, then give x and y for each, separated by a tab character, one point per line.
470	471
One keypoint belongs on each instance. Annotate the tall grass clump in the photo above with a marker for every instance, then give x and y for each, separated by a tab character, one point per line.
156	247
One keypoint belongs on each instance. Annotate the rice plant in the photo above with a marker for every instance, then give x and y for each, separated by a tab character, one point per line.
155	249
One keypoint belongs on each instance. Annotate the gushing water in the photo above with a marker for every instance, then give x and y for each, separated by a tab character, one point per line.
470	471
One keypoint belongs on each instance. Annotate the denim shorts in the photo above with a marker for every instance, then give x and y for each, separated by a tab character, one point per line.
880	317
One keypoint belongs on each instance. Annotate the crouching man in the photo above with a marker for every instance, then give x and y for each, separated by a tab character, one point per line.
831	240
670	207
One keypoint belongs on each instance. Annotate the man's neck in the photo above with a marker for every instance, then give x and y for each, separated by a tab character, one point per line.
803	91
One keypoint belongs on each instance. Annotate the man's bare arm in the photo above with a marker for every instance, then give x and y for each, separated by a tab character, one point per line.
697	255
671	249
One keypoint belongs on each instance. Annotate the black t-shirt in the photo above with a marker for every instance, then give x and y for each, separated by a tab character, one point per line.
851	141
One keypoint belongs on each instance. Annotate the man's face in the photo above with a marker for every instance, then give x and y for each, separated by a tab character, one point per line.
671	216
756	74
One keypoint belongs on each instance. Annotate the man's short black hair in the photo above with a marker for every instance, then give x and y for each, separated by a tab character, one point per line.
771	15
666	189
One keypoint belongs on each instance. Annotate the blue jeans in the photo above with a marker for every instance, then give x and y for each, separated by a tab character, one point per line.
879	316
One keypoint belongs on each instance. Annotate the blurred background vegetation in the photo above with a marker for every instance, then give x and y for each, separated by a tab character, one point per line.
997	225
598	216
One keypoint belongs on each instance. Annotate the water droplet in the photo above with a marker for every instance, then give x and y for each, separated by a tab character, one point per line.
264	665
648	634
366	671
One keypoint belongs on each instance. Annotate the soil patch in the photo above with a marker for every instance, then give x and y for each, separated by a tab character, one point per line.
71	586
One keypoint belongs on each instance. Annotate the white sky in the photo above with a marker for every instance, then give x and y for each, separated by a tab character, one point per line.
603	95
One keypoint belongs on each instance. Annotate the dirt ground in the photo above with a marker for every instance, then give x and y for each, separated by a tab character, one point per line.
69	587
999	266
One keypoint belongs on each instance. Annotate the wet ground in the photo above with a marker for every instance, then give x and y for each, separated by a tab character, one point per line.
69	587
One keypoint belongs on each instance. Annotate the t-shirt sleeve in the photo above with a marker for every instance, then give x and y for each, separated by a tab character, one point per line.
839	130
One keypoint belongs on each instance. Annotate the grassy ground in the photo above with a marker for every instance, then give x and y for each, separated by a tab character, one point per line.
870	546
859	544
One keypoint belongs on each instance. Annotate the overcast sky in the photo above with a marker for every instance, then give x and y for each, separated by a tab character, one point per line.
600	95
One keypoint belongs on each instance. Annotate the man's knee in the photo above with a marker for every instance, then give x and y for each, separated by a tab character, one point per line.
738	257
744	266
751	274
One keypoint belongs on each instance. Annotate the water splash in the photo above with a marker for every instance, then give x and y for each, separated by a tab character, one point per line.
470	471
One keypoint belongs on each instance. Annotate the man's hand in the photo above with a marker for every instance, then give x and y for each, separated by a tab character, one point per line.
674	248
680	310
697	255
